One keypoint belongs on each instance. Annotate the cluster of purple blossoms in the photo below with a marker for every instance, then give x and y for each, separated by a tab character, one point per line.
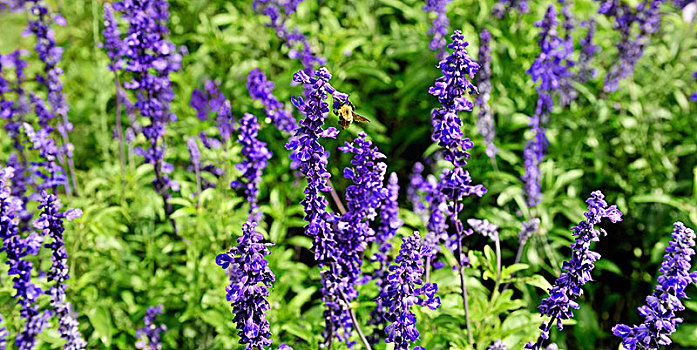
439	27
149	58
485	121
3	334
212	100
661	306
647	17
420	191
550	69
17	249
51	55
250	280
149	336
484	228
12	5
47	169
311	158
256	156
587	53
404	289
262	90
504	6
278	12
577	270
452	89
498	345
389	224
50	223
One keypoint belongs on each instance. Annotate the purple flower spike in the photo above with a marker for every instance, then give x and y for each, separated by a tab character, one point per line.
3	334
485	121
660	320
439	27
503	7
256	155
151	58
311	157
16	250
577	271
149	336
250	280
262	90
498	345
389	224
405	289
50	224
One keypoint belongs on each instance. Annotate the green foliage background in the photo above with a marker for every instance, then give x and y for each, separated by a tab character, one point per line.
637	145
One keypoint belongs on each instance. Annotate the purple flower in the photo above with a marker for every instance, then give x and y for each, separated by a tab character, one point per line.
149	57
112	39
587	53
50	223
439	27
3	334
51	56
484	228
48	169
16	249
485	121
550	71
498	345
13	5
149	336
646	17
279	12
250	280
660	320
212	100
577	270
256	155
389	224
500	9
312	160
529	227
405	289
262	90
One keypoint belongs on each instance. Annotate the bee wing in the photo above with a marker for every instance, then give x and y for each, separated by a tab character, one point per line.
359	118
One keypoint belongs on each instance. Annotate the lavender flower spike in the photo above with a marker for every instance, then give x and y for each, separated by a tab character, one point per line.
439	27
50	224
498	345
16	250
405	289
149	336
3	335
661	306
250	280
485	121
262	90
577	271
256	156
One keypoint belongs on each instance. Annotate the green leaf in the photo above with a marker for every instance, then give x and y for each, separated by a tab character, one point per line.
100	319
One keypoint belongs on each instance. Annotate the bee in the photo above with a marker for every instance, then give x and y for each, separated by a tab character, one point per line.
347	115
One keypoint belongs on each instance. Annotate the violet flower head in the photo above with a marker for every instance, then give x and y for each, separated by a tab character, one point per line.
250	280
262	90
693	97
529	227
577	270
112	39
149	336
500	9
439	26
3	334
13	5
484	228
151	58
498	345
420	191
51	55
256	155
587	53
16	250
485	120
48	169
50	224
212	100
389	224
405	289
660	319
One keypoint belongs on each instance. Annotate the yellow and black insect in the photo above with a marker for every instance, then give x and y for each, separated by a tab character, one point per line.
347	115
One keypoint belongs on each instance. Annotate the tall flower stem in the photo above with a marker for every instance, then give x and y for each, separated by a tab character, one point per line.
356	326
498	262
463	284
336	198
119	130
